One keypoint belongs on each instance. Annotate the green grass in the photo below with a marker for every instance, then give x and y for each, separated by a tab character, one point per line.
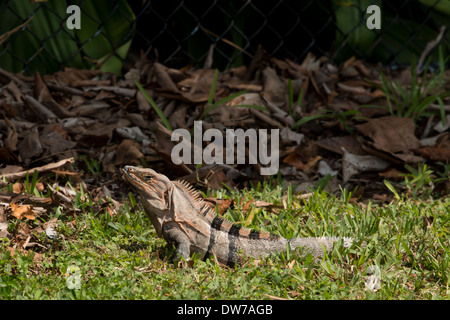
120	257
414	100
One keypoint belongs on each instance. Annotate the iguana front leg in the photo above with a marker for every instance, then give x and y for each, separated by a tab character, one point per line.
173	235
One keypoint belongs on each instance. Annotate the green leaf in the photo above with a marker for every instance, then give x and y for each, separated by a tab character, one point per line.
389	185
132	199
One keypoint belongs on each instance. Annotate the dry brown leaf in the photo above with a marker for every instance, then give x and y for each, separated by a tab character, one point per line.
363	69
164	146
44	114
310	63
391	134
377	94
391	173
128	152
11	137
30	146
246	205
312	163
43	96
94	109
103	95
222	205
71	75
274	89
178	117
99	134
163	78
54	143
110	212
250	98
334	144
350	72
143	104
289	137
353	164
352	89
14	89
293	159
11	169
435	154
197	87
19	211
348	63
239	84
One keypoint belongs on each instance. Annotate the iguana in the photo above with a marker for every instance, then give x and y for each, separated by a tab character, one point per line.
181	217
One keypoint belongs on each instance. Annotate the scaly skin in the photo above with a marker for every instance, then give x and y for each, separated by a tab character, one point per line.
180	216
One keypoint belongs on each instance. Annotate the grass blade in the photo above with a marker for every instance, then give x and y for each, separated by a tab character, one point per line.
387	92
212	91
309	118
154	105
441	109
391	188
221	102
253	106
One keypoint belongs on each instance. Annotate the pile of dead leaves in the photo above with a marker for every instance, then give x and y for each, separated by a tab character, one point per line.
80	112
101	120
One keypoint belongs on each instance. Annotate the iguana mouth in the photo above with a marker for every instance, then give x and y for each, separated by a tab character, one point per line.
136	178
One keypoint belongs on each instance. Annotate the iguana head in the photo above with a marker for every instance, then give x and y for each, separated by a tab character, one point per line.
155	189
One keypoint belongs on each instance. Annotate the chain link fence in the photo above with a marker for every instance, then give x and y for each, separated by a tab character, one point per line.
179	33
